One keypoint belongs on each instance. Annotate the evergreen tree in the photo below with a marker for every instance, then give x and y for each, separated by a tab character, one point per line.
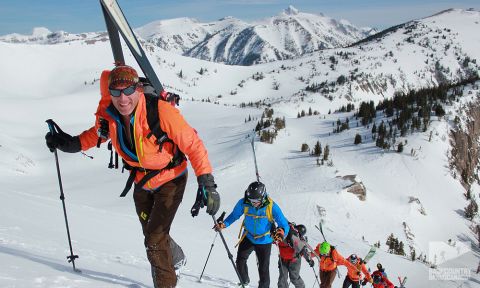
258	127
439	111
326	153
471	210
390	243
401	250
317	149
358	139
400	147
267	124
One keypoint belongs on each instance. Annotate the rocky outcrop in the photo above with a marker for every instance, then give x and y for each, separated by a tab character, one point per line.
356	188
465	141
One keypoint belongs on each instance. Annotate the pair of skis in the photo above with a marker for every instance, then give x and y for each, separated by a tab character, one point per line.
117	23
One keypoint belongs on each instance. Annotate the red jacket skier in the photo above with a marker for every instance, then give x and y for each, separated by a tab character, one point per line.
380	281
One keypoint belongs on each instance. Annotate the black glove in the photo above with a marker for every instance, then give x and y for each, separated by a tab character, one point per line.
207	195
63	141
311	263
364	282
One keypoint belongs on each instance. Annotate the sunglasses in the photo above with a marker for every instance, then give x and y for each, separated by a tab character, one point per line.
127	91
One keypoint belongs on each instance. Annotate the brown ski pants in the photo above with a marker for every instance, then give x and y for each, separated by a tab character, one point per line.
156	211
326	278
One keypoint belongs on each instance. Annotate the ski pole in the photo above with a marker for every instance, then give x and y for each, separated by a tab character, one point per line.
211	247
204	266
255	157
316	276
54	128
230	256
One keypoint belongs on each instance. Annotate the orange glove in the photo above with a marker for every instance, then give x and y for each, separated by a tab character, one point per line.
219	226
279	233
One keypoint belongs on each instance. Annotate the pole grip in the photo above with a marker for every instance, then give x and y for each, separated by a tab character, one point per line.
220	219
53	127
51	124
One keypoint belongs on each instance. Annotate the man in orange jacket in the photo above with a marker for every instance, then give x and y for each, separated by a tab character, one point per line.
354	276
157	166
329	260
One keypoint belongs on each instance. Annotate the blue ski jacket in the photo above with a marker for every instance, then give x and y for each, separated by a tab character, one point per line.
257	225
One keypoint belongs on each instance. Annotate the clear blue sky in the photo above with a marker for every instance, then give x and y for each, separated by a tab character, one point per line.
76	16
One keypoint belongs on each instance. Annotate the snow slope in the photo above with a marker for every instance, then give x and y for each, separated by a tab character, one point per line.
104	228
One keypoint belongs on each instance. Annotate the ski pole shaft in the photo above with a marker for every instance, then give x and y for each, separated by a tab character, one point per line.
255	157
208	257
71	258
230	256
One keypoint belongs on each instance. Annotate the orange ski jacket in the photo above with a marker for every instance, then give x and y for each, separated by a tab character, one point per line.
147	154
359	268
330	262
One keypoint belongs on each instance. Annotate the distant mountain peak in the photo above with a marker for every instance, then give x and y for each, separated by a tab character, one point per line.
40	31
291	11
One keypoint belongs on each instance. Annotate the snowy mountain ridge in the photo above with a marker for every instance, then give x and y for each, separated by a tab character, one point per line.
229	40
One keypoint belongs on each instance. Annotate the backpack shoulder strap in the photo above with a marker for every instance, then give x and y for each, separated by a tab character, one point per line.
153	119
245	210
269	210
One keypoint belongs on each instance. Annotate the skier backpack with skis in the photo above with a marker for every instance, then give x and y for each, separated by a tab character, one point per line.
158	197
330	259
358	275
380	281
291	250
261	213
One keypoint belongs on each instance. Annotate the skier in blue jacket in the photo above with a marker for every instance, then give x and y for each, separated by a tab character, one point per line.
258	230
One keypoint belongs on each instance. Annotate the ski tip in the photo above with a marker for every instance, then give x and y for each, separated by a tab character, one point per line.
77	270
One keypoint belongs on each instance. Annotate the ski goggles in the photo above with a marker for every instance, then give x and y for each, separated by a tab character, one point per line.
254	201
127	91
